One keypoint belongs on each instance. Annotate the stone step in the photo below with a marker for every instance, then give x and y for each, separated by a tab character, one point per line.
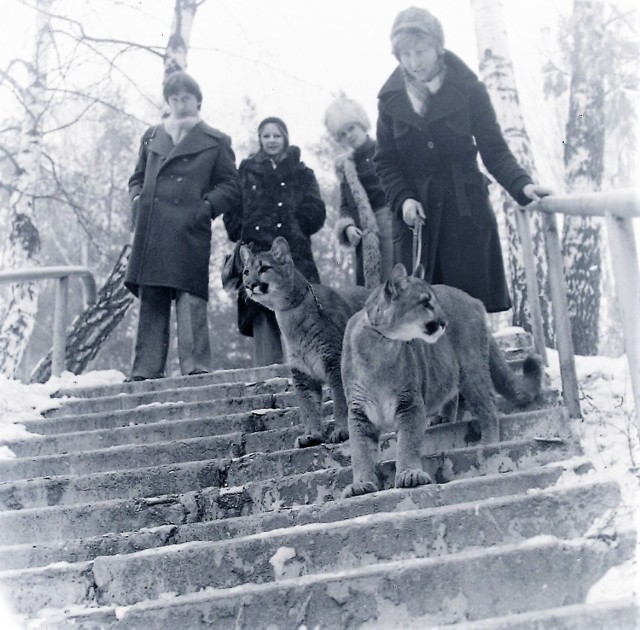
236	375
315	548
474	584
163	431
160	412
84	513
227	445
121	401
265	505
619	614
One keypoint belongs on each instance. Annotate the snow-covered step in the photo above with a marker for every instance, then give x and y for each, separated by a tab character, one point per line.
543	572
262	505
316	548
187	394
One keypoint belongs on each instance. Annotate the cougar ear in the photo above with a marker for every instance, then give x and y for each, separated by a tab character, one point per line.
245	254
280	249
418	272
397	282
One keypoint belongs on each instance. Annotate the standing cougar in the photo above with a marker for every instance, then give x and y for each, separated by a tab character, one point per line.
407	356
312	319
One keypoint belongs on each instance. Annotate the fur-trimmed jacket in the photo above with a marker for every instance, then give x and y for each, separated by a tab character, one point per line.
360	195
281	201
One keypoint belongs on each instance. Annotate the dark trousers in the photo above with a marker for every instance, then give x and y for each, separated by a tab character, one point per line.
152	337
267	347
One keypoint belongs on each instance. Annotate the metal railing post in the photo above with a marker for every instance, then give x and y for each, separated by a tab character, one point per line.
626	272
59	351
564	341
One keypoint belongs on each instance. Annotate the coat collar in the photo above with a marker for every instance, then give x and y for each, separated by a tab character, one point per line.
450	98
199	138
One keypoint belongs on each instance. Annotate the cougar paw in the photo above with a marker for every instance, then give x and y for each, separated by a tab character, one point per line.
490	434
412	479
308	439
360	488
338	435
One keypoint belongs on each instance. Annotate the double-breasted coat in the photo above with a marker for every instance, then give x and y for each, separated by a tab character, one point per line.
434	159
281	201
182	188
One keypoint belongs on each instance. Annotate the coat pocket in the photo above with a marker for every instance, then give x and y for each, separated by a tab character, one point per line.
476	188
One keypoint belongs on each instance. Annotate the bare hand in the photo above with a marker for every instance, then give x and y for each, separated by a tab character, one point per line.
411	208
536	192
353	234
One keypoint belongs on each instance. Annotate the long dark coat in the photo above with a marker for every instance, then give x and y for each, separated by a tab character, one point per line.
182	188
282	201
434	159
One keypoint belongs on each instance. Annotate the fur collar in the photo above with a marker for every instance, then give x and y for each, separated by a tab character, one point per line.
178	128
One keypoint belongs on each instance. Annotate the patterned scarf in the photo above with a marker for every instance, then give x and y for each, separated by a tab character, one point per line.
420	92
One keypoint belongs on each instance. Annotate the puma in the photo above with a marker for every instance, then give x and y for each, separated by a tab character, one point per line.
312	319
407	356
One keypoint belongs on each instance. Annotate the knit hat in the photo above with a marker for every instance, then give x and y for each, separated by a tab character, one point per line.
344	111
421	21
274	120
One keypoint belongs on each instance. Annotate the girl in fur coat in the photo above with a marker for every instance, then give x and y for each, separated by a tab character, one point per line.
365	218
280	197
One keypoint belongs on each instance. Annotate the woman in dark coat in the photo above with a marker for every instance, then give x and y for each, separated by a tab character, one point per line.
435	116
280	197
185	177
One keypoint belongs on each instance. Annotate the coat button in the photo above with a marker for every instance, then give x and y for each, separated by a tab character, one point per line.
278	225
279	204
176	201
257	227
179	179
185	159
253	187
282	184
430	144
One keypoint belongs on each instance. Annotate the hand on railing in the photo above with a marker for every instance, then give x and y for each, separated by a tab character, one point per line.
535	192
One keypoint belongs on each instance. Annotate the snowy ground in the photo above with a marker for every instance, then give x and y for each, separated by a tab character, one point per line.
608	434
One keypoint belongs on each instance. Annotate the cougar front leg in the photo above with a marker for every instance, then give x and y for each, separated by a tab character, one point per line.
363	441
340	431
411	424
309	394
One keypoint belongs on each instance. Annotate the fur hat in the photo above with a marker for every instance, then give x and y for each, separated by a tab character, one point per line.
420	21
344	111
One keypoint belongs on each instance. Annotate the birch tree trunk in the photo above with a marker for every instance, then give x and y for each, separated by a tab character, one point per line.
583	160
92	328
497	73
24	238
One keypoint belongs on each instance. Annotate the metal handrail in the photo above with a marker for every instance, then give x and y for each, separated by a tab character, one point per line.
62	275
618	207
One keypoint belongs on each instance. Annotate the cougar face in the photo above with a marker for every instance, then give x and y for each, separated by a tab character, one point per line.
406	308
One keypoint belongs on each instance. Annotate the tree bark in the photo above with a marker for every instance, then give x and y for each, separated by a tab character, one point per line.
497	73
24	238
92	328
583	160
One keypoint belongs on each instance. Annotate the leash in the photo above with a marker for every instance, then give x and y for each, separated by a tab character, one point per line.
417	242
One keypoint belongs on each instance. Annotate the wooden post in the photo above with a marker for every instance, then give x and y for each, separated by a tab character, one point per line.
626	272
561	317
60	326
533	290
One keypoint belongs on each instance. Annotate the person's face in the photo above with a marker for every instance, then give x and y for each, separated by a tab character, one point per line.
352	135
272	139
183	104
419	58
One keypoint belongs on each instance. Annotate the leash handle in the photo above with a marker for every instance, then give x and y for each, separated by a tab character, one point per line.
417	241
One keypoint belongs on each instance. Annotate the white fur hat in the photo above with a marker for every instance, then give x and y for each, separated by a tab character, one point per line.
344	111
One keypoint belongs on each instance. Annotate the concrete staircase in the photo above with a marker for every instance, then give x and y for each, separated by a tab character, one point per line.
179	503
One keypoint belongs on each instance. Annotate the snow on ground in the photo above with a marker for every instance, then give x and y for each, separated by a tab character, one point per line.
608	433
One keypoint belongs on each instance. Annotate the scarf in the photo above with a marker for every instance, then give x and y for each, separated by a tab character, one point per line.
420	92
178	128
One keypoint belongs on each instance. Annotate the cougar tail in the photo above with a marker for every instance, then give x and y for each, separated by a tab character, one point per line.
519	390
